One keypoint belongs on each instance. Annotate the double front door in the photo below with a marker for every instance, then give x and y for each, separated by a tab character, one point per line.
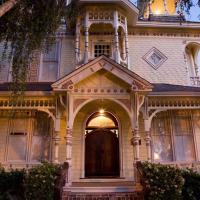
101	154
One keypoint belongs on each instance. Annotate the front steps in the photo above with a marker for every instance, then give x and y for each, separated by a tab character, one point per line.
103	191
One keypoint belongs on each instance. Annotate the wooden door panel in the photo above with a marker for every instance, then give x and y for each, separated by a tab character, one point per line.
101	154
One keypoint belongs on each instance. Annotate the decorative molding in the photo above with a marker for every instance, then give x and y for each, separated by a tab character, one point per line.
67	85
27	103
99	90
154	58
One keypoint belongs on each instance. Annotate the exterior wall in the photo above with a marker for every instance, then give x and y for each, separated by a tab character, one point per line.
172	71
67	57
126	155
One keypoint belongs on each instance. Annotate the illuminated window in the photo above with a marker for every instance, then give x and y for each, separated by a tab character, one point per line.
173	137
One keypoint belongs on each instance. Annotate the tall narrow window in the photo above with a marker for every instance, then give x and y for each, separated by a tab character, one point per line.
41	138
173	137
162	145
184	144
18	140
49	67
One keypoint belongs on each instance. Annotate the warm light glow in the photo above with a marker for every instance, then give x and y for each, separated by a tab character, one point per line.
157	12
101	121
101	111
156	156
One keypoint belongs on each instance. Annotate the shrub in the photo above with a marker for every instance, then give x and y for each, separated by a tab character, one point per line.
11	184
191	188
161	182
39	182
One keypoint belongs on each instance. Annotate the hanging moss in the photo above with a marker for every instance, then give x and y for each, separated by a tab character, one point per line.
26	28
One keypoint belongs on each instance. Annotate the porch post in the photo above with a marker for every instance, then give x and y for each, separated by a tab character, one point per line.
77	42
117	56
86	29
69	155
165	7
136	143
126	42
56	139
147	139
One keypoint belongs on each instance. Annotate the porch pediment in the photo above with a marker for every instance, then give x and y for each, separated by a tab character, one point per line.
99	72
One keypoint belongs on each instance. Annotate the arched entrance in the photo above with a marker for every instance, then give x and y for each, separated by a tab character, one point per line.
101	146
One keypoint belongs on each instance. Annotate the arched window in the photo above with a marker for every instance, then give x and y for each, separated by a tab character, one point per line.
193	62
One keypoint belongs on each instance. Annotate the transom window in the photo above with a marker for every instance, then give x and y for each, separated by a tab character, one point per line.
173	137
102	49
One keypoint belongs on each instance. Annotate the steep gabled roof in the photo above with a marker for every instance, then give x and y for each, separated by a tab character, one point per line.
132	79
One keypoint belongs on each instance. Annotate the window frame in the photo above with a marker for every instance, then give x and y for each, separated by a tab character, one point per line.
172	137
41	67
29	133
102	43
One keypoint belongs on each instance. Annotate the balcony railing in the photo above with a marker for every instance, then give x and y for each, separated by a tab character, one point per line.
195	80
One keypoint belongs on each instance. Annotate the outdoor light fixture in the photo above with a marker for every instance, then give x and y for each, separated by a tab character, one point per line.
101	111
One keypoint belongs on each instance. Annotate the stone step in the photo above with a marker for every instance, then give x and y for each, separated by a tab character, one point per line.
103	196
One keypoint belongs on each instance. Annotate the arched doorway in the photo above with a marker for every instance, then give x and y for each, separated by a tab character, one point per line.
101	146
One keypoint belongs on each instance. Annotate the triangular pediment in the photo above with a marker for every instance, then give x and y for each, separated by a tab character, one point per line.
99	72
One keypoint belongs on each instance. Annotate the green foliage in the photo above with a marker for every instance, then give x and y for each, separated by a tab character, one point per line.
27	27
39	182
36	183
11	183
191	188
161	182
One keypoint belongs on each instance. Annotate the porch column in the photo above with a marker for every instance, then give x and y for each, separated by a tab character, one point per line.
126	42
116	53
86	29
136	143
165	7
69	155
56	139
149	5
77	42
147	124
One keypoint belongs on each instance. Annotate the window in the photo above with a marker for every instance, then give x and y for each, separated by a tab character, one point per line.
49	66
193	62
29	138
173	137
4	65
102	49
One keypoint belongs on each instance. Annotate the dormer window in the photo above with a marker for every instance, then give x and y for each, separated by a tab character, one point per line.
102	49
